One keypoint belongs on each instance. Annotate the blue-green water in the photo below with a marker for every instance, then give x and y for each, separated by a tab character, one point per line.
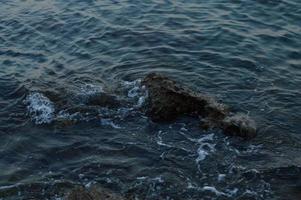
52	52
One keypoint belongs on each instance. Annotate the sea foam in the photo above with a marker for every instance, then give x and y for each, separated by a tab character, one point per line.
40	108
136	91
205	147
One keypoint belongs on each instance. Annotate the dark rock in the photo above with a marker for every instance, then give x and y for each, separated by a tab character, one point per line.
167	100
239	125
104	100
84	109
93	194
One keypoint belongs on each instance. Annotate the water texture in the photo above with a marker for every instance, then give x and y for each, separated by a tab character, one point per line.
55	55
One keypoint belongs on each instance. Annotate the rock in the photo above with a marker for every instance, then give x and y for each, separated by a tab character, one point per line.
167	100
104	100
93	194
239	125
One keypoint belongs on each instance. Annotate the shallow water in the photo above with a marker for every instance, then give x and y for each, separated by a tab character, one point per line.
59	53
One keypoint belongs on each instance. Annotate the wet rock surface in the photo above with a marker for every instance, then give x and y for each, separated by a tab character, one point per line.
167	100
104	100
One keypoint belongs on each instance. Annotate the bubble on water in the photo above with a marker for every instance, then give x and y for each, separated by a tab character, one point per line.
40	108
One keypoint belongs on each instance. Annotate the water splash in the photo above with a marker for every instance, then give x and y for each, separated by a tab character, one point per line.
40	108
136	91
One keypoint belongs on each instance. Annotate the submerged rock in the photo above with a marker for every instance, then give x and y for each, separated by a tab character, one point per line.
167	100
93	194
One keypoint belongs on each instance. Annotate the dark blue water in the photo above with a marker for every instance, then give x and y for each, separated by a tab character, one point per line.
54	54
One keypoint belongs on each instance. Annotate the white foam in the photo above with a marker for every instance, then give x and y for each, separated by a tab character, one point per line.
254	148
190	185
109	122
40	108
160	140
250	192
205	147
124	112
90	89
158	179
208	137
136	91
85	91
213	190
228	193
221	177
5	187
130	84
67	116
81	176
90	184
232	192
141	101
141	178
161	143
183	129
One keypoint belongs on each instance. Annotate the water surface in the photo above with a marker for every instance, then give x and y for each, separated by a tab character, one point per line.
245	53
